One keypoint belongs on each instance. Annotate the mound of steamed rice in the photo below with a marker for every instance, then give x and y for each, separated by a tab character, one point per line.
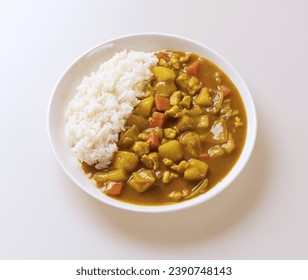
102	103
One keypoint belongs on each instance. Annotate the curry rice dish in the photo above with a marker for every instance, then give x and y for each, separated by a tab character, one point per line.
175	127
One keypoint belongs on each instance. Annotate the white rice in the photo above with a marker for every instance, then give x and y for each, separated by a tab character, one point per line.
102	103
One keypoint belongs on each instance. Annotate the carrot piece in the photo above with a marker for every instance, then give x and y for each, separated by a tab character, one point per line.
162	103
158	119
163	56
153	139
193	69
114	188
225	90
203	156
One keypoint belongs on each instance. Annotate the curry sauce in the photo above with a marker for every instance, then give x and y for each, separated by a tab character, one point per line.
183	137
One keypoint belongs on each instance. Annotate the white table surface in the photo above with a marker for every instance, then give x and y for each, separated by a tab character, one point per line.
262	215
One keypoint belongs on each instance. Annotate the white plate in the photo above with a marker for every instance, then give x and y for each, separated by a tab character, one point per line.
90	61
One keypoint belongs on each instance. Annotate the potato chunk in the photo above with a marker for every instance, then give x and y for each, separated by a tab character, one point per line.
163	73
218	133
195	111
204	98
171	150
229	145
196	170
215	151
217	102
145	106
125	160
141	180
203	121
165	88
128	137
140	121
191	141
117	175
186	122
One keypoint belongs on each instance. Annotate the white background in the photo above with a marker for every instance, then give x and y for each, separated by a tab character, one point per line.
262	215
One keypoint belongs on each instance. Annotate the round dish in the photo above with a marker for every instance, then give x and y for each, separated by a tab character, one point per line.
89	62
